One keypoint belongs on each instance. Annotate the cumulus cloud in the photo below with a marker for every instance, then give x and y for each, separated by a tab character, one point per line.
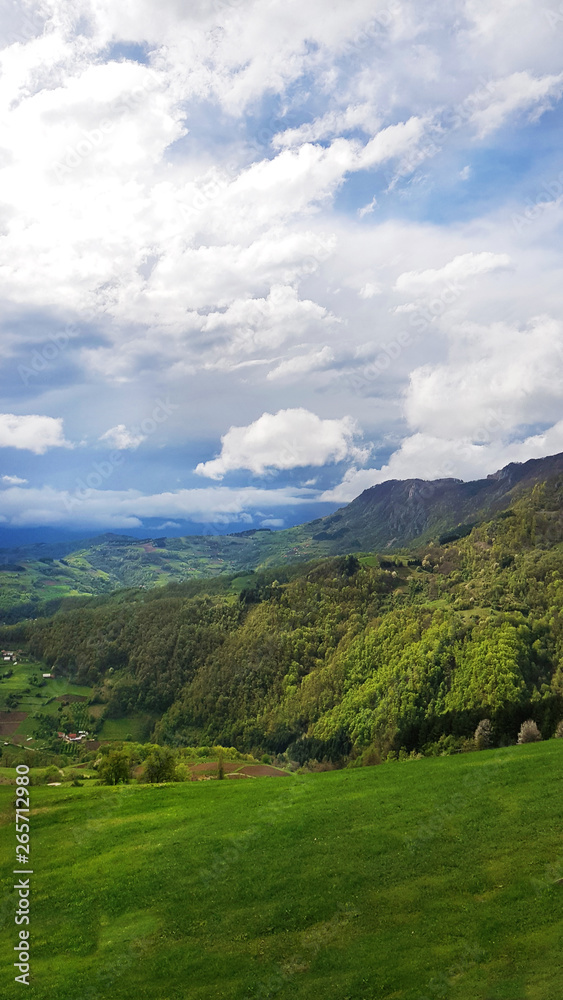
512	376
121	438
468	417
288	439
32	433
213	197
13	480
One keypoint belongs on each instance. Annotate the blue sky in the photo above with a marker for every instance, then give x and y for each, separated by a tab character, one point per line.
257	258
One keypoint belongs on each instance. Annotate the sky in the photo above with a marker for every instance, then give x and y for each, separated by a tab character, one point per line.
257	256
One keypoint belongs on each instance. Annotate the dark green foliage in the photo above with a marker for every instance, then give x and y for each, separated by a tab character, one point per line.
114	768
160	765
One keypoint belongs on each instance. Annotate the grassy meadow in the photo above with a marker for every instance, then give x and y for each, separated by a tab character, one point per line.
419	880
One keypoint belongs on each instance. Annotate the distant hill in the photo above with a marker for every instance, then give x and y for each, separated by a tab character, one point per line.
398	512
388	516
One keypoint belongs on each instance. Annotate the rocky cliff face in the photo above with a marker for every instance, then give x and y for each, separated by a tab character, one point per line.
396	512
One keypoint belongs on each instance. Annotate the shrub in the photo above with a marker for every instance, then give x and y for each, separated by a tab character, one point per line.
559	730
529	732
483	734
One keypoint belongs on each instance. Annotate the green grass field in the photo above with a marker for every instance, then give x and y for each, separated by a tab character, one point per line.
137	725
424	880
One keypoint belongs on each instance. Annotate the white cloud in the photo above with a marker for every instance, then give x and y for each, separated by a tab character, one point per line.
369	290
302	364
264	322
127	508
423	456
368	208
13	480
497	100
197	240
462	267
404	140
332	123
468	417
288	439
121	438
509	375
32	433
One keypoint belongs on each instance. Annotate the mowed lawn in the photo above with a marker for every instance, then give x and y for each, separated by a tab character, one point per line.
425	880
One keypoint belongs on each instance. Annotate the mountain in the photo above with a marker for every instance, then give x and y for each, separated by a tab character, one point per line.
34	579
398	512
346	656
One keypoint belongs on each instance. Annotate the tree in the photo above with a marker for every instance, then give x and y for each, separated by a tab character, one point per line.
114	768
220	766
559	730
160	765
529	732
483	734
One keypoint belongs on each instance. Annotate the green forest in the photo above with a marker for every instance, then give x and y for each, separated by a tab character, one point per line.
348	659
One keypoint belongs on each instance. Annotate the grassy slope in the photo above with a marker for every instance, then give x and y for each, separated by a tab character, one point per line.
417	881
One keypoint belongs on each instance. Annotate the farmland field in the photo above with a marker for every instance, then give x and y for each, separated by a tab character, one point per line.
418	880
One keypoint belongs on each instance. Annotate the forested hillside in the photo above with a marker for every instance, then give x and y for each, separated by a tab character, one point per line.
346	657
34	580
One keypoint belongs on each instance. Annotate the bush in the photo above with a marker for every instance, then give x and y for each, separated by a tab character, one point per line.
559	730
529	732
483	734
